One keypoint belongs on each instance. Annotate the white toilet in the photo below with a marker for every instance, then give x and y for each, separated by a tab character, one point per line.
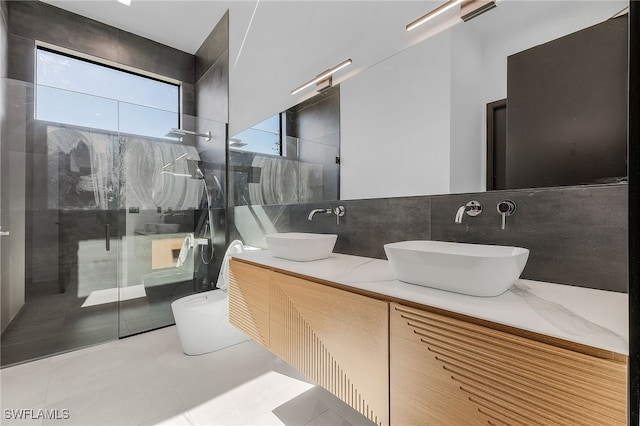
202	319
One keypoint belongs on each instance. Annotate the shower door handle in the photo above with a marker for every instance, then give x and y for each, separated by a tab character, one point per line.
107	237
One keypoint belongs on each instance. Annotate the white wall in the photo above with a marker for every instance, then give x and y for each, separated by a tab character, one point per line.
290	42
467	112
395	121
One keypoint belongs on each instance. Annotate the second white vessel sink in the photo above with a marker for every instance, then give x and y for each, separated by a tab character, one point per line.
472	269
301	246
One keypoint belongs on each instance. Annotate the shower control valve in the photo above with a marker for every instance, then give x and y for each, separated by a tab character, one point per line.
339	212
506	208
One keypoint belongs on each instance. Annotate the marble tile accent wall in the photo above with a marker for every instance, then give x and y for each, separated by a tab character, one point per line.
576	235
267	179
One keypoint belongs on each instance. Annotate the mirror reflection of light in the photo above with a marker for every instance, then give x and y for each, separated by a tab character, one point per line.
253	223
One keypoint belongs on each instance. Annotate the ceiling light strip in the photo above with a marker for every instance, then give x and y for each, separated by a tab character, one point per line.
435	12
322	76
247	32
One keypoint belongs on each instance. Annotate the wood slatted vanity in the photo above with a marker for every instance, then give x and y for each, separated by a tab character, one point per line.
406	355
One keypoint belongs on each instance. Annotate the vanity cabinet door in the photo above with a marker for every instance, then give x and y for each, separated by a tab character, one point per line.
449	372
249	300
337	338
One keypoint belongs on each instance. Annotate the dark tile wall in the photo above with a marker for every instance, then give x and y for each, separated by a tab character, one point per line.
368	224
5	310
576	235
211	99
316	123
4	38
21	64
145	54
212	74
33	20
583	85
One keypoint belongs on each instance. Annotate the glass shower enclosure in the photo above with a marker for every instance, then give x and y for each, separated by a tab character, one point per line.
94	214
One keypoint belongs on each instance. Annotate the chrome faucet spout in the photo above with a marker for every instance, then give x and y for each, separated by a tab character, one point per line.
472	208
314	211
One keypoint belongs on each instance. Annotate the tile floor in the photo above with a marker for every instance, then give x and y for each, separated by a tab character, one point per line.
147	380
58	322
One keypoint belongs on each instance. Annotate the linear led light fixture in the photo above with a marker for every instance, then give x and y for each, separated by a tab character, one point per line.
472	8
435	12
125	2
322	76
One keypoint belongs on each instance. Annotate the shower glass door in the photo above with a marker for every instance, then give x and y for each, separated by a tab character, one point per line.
97	210
173	213
60	193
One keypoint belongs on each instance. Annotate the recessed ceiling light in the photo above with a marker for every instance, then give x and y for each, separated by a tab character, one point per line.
125	2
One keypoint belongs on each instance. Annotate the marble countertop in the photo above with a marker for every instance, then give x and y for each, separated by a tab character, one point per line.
591	317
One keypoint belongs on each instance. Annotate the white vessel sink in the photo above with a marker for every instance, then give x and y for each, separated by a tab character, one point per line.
472	269
300	246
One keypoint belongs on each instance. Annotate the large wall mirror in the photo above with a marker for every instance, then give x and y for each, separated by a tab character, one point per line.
292	157
416	122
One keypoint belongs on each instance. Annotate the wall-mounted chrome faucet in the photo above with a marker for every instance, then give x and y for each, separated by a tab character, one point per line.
506	208
338	212
314	211
473	208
